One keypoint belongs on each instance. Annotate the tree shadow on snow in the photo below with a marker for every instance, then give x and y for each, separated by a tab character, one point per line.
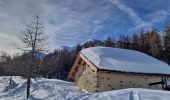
10	86
15	90
33	98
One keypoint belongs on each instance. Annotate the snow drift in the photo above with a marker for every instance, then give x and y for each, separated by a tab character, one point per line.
53	89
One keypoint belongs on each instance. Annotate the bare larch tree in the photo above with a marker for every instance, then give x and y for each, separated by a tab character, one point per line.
34	40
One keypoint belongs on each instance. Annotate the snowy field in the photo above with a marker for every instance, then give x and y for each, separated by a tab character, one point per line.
53	89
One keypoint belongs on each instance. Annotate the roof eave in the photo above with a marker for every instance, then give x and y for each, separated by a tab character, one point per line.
139	73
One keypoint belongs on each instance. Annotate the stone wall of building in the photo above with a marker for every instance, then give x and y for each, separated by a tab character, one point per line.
86	78
113	81
92	80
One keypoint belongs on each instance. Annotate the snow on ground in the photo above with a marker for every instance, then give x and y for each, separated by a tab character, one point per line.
125	60
53	89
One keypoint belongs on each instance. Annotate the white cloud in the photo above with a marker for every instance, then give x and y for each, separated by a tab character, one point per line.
65	21
70	21
139	23
155	17
129	11
7	43
158	16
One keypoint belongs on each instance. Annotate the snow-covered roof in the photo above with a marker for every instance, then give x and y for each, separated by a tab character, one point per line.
125	60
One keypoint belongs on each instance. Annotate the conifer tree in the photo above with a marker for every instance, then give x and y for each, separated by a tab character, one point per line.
34	40
167	43
109	42
167	38
135	42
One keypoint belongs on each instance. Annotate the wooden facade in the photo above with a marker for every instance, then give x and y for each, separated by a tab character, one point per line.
91	79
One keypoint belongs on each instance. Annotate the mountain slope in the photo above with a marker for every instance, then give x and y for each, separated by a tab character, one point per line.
88	42
66	48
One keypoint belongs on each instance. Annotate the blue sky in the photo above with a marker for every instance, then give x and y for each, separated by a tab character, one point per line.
68	22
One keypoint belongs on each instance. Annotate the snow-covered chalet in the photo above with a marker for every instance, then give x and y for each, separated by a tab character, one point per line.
99	69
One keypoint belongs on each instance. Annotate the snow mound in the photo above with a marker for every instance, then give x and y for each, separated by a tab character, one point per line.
125	60
53	89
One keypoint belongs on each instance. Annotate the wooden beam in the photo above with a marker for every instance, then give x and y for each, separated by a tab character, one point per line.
75	65
91	65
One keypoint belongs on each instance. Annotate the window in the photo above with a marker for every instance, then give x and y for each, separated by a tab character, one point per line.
109	85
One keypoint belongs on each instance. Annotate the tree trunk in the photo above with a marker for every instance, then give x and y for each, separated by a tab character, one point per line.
28	82
10	81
